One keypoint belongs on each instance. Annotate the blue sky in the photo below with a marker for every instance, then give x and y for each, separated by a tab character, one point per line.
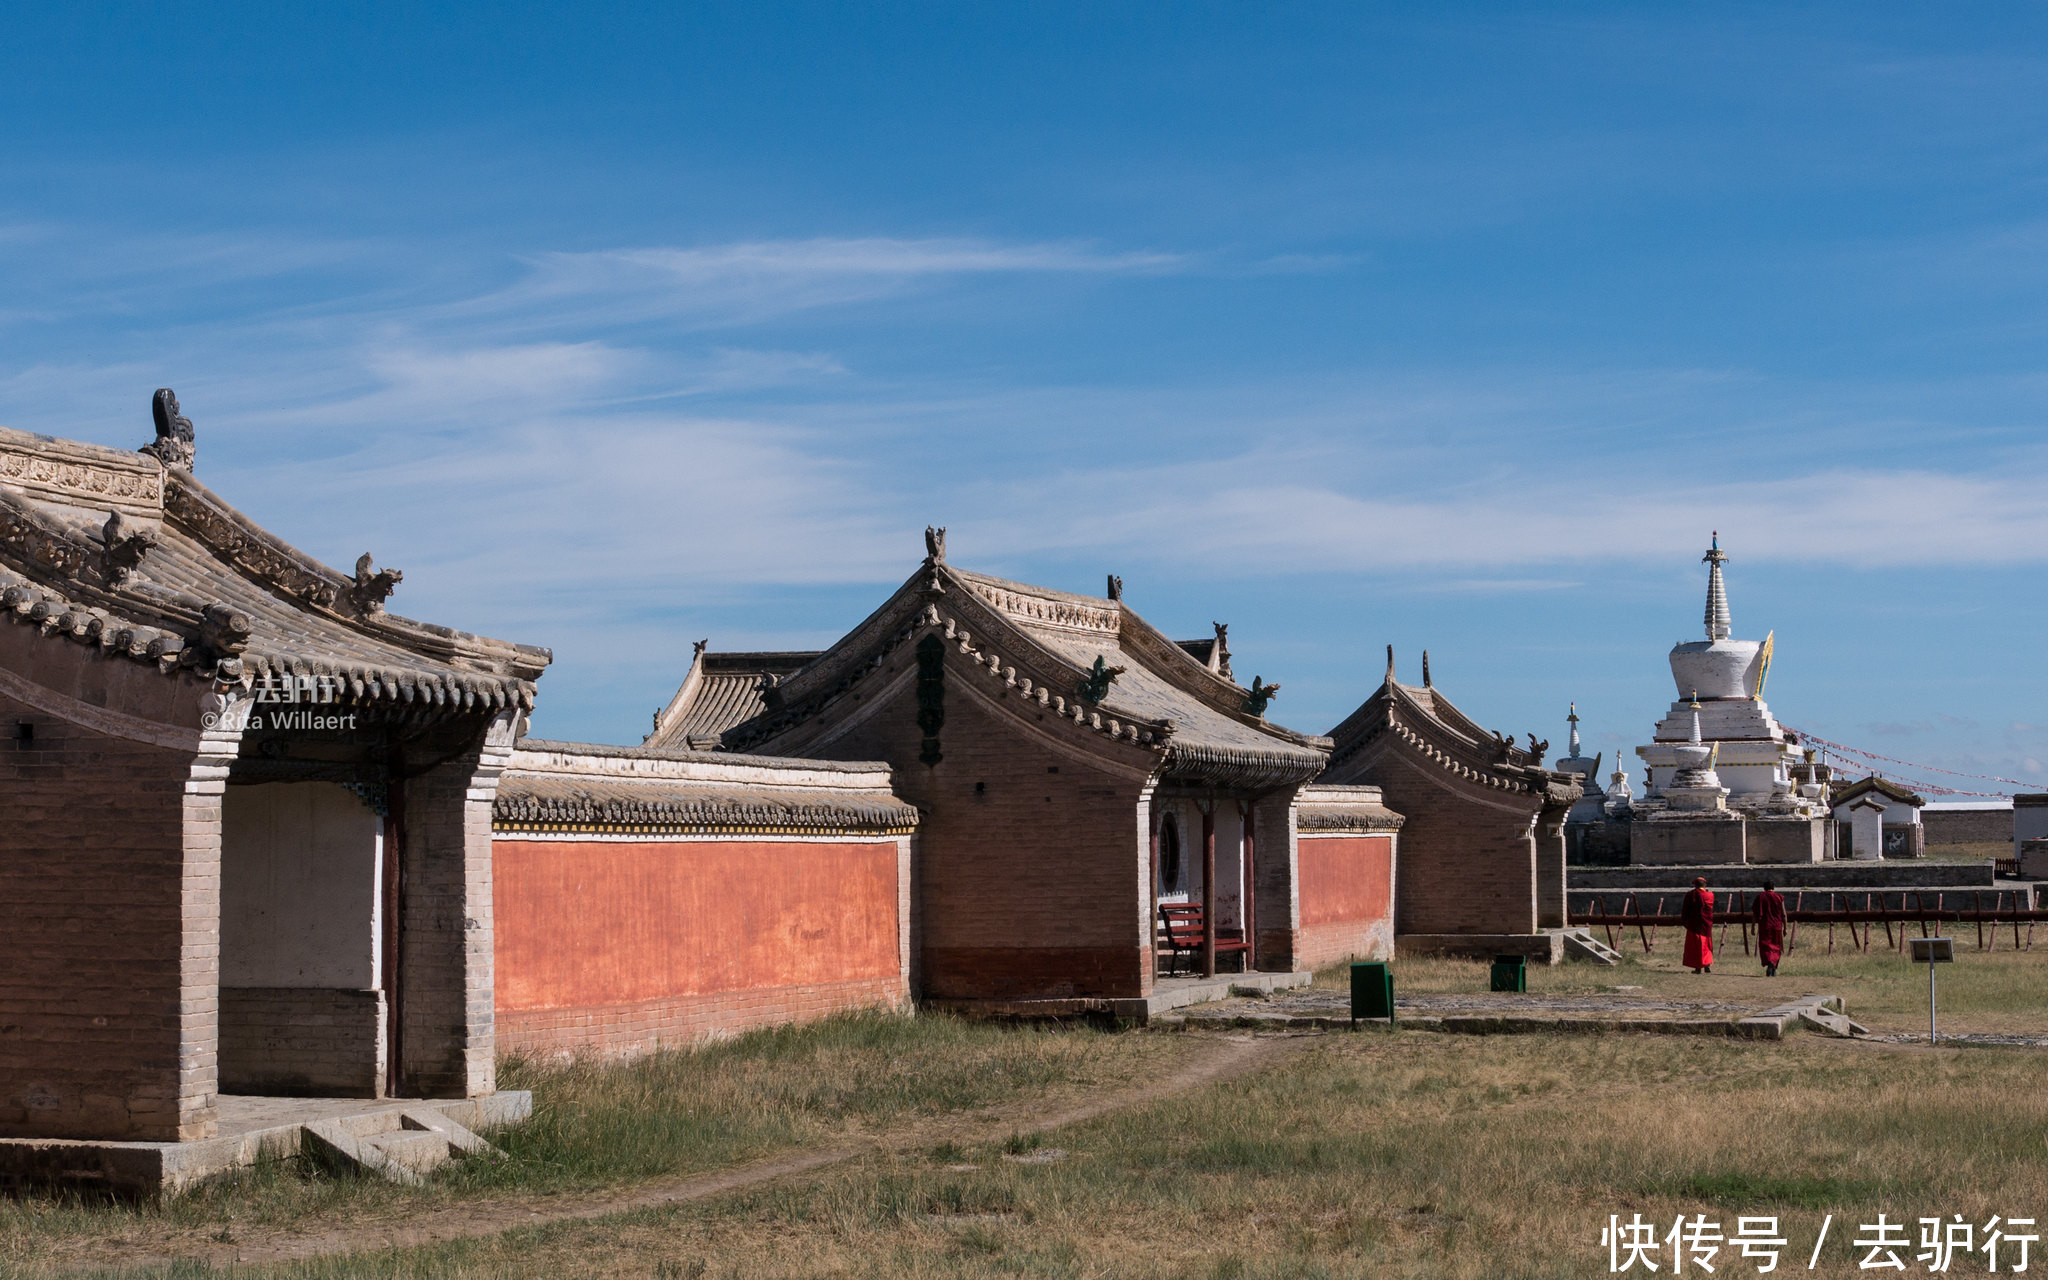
1451	326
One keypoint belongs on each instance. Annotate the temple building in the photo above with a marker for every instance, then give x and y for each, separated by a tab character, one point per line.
267	838
1482	837
1723	782
1074	771
249	810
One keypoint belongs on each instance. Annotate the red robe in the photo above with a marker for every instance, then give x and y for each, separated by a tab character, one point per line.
1699	928
1770	926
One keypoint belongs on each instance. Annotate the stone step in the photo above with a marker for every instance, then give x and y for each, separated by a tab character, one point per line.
1834	1023
401	1146
1580	944
420	1150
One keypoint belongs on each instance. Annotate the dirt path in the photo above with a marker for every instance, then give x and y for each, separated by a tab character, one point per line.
1214	1059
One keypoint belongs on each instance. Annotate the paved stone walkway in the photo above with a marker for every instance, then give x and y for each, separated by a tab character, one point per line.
1518	1013
1329	1003
1996	1038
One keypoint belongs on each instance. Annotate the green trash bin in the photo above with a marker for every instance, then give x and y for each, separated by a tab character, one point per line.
1372	991
1510	973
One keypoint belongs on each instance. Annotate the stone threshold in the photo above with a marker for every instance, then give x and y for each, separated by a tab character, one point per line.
259	1129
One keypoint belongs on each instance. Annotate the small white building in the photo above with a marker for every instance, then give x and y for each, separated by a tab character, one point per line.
2029	819
1882	819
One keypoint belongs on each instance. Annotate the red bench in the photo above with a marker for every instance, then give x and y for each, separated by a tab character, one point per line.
1180	932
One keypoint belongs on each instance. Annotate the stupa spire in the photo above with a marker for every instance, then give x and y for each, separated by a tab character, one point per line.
1574	719
1718	625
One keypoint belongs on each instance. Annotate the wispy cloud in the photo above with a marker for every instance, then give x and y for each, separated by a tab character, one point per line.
747	282
1416	520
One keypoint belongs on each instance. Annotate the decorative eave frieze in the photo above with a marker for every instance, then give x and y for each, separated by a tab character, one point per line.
1045	610
80	474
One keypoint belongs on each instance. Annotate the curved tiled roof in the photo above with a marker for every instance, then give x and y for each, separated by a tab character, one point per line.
1040	645
181	581
720	691
1426	724
657	807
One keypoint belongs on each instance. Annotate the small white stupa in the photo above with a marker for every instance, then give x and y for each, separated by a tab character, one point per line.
1596	828
1719	755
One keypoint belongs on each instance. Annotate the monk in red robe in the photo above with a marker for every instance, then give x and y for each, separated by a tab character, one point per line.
1698	917
1770	928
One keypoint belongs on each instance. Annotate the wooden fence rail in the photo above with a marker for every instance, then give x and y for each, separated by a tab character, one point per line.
1739	910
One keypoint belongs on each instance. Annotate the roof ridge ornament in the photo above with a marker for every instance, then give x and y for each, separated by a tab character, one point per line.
1719	626
1222	652
124	548
934	544
176	442
1095	684
1390	665
372	589
1116	587
1425	670
1258	697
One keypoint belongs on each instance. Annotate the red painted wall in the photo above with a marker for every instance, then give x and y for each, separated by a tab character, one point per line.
1347	898
612	945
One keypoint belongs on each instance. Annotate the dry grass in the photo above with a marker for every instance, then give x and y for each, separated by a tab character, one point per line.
1989	991
1403	1155
598	1125
1969	851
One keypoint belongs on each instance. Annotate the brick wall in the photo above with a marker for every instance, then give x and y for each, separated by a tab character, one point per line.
621	1030
1033	859
302	1041
1468	855
617	945
109	897
1347	899
1966	826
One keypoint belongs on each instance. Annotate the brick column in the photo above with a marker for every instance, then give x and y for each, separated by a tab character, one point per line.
1550	894
447	1039
197	1097
1277	902
109	898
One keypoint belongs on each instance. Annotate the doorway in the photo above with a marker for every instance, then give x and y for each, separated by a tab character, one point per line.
302	1000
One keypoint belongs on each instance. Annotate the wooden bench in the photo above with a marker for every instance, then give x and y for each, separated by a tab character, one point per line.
1180	932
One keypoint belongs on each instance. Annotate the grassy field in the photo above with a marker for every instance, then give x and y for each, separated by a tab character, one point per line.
1404	1154
2003	990
597	1126
1384	1155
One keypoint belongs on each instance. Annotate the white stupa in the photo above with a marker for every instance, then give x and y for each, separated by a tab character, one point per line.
1719	755
1721	706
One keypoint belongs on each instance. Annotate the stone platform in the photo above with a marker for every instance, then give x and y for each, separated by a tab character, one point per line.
1167	993
252	1129
1540	948
1517	1013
